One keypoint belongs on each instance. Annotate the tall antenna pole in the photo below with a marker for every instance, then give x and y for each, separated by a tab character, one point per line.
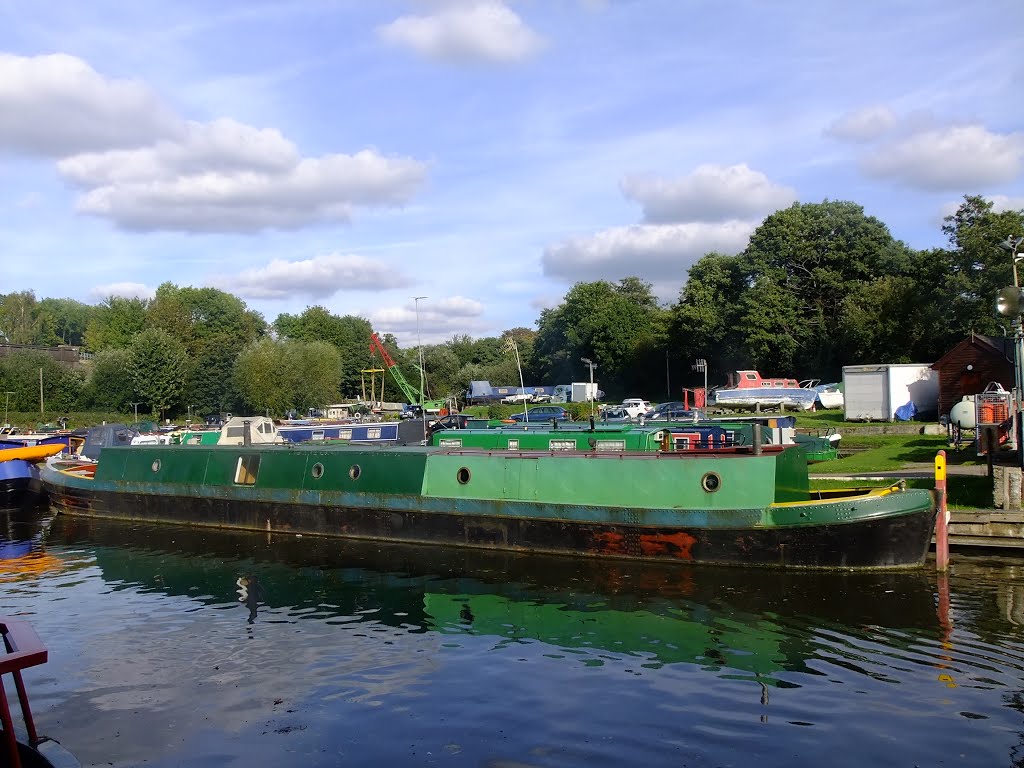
419	354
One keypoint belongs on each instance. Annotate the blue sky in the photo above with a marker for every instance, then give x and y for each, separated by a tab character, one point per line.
484	154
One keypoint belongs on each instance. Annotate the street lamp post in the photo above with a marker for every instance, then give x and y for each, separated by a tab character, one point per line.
136	406
1010	303
7	403
590	393
701	366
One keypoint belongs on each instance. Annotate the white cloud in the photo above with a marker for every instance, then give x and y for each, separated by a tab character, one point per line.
57	105
865	124
437	321
1000	203
650	251
220	146
317	278
952	158
710	193
459	306
485	30
228	177
123	291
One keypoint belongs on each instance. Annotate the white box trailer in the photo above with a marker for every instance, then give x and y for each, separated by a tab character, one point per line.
874	392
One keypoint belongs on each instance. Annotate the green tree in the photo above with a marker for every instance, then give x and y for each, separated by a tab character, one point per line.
283	375
20	320
618	326
20	374
64	321
349	334
157	367
109	387
969	275
800	265
115	323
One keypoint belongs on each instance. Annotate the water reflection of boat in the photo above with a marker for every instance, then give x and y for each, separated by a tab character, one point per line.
732	622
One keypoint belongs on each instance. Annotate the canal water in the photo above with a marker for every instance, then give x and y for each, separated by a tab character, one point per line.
180	647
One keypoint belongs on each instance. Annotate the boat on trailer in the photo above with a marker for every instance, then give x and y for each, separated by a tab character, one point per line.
739	505
748	389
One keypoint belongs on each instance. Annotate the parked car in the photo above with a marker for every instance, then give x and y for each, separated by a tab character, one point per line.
543	413
673	411
635	406
451	421
615	413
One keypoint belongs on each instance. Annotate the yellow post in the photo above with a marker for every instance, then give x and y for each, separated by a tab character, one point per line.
942	519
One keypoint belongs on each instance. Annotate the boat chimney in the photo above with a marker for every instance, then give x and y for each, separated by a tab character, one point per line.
591	422
246	434
757	438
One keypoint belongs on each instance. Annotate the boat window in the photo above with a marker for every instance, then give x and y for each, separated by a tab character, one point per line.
681	443
450	443
247	470
318	471
235	431
156	465
513	444
345	434
611	445
355	471
318	434
750	376
562	445
463	475
711	482
373	433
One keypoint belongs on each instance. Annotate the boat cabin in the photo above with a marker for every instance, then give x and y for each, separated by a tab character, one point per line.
753	380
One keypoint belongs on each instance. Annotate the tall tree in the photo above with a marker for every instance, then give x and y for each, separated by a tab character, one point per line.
350	335
282	375
64	321
115	323
614	325
20	320
976	267
157	366
802	262
109	387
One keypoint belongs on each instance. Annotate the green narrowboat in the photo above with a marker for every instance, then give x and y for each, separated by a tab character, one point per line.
744	505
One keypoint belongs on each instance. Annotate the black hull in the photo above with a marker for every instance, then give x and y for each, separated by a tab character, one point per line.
894	541
17	491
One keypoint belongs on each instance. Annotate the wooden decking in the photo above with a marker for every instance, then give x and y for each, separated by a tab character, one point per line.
987	528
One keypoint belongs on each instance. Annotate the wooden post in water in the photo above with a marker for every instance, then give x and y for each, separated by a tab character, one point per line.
942	518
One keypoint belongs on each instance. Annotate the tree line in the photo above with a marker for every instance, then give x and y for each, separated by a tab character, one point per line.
819	286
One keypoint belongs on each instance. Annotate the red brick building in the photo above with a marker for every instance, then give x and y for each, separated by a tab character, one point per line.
969	367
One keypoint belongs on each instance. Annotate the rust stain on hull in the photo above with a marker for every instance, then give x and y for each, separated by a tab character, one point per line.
677	545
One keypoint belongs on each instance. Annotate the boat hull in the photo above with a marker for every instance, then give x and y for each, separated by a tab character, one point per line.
481	499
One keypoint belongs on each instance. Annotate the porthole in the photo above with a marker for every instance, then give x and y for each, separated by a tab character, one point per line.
156	465
463	475
711	482
355	471
317	471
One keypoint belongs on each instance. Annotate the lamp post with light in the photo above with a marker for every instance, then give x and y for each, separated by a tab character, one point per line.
1010	303
590	393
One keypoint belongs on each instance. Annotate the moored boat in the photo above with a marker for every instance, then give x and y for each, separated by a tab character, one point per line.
21	648
745	505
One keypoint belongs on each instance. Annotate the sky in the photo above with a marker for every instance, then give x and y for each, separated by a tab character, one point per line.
483	155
